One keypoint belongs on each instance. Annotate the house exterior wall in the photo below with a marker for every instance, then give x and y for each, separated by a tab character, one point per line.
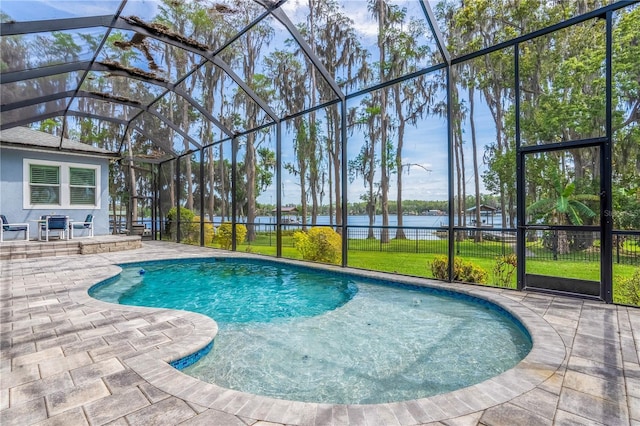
13	197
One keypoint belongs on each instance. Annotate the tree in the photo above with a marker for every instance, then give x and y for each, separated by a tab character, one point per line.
563	207
366	163
333	39
289	76
410	98
246	57
382	12
626	120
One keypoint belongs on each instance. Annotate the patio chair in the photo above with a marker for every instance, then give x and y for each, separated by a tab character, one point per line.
54	223
86	225
13	227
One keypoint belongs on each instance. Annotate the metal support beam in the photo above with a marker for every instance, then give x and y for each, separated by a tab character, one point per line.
14	76
49	25
279	189
155	201
144	160
562	146
521	217
59	113
178	194
28	120
343	181
450	146
435	30
234	199
606	187
202	197
36	101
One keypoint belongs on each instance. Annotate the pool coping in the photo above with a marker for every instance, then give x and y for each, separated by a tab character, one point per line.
545	358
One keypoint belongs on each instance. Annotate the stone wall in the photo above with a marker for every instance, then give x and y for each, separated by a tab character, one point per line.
122	243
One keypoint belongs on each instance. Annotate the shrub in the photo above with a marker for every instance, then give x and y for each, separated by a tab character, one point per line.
630	289
504	268
193	234
470	273
440	268
462	270
225	234
319	245
186	217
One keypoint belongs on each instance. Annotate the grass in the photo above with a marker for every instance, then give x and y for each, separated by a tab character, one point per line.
418	264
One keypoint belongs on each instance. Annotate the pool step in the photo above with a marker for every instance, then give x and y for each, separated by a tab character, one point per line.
15	250
35	249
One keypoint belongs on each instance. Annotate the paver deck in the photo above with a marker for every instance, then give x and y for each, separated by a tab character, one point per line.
68	359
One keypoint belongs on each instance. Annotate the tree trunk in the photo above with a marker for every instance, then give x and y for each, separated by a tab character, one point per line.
476	175
314	175
222	172
133	190
250	171
457	208
384	123
400	235
563	245
336	158
211	178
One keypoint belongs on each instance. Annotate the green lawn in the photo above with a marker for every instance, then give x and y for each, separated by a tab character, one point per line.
394	258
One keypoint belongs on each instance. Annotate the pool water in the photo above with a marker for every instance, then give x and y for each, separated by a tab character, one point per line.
306	335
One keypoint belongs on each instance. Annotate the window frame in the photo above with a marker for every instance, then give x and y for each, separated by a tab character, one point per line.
57	185
72	186
65	185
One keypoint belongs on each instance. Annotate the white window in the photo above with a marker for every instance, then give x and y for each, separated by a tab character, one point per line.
44	184
82	186
55	184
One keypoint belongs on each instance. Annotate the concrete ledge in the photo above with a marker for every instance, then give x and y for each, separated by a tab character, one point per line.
117	243
13	250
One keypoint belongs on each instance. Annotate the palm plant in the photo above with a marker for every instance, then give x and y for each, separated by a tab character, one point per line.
563	207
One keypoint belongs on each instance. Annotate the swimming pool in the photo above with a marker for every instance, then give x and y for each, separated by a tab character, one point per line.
302	334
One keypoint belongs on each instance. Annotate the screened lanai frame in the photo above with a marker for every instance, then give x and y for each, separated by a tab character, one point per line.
231	135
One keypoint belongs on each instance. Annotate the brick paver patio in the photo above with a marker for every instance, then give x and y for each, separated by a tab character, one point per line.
68	359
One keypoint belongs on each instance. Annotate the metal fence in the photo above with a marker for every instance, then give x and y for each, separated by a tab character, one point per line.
397	240
484	243
563	245
626	247
469	242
